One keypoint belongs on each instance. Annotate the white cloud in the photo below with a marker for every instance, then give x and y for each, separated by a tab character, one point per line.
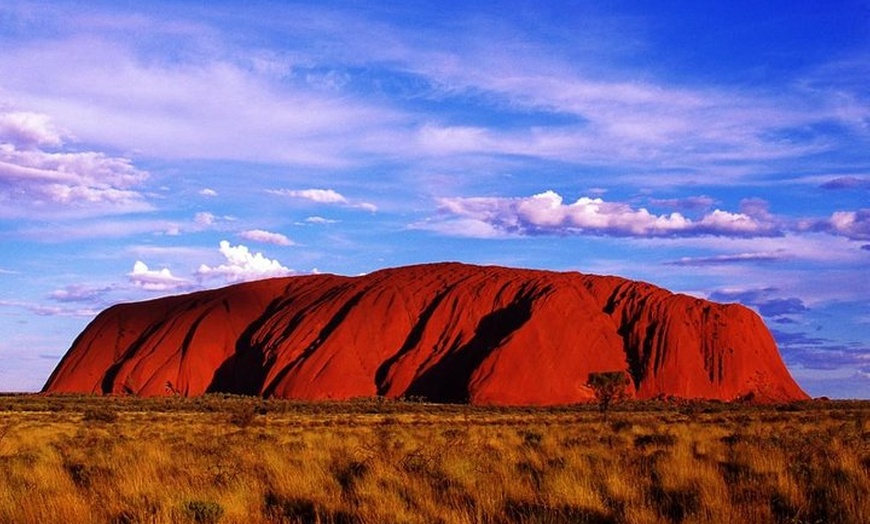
724	222
49	311
26	130
99	228
266	237
103	85
319	220
242	265
731	259
208	192
204	219
110	92
461	227
37	181
546	213
156	280
693	203
175	252
79	293
817	247
323	196
854	225
455	139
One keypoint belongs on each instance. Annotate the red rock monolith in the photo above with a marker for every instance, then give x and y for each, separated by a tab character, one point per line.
445	332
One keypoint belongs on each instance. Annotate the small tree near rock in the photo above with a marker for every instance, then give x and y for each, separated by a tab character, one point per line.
609	388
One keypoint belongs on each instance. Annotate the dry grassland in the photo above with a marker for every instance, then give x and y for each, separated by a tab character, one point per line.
235	460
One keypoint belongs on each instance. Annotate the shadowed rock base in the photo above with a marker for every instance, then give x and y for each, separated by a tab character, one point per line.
445	332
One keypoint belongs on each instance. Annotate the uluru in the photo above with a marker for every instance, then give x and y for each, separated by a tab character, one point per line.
444	332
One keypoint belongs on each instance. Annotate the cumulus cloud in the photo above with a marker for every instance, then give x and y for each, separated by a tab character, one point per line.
156	280
851	224
242	265
854	225
27	130
266	237
208	192
547	213
37	176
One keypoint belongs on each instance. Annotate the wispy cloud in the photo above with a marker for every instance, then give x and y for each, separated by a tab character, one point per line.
847	182
693	203
766	300
820	353
323	196
634	123
348	102
62	231
266	237
204	219
203	102
319	220
81	293
49	311
35	180
730	259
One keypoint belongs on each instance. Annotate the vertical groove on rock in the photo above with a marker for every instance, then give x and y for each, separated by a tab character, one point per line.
331	326
448	379
382	381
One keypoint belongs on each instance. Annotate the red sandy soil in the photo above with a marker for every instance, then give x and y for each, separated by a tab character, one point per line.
445	332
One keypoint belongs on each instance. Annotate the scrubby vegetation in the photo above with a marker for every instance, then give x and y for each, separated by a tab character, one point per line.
229	459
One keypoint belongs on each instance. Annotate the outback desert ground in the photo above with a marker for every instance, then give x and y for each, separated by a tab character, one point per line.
231	459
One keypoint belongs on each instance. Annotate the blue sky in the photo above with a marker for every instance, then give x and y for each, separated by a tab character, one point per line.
720	149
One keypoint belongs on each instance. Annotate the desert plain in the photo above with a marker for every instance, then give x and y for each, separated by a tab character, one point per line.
235	459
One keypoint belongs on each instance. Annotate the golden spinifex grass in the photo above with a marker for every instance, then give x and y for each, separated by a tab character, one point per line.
122	460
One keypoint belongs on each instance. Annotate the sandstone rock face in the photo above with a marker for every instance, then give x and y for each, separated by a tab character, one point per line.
447	332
